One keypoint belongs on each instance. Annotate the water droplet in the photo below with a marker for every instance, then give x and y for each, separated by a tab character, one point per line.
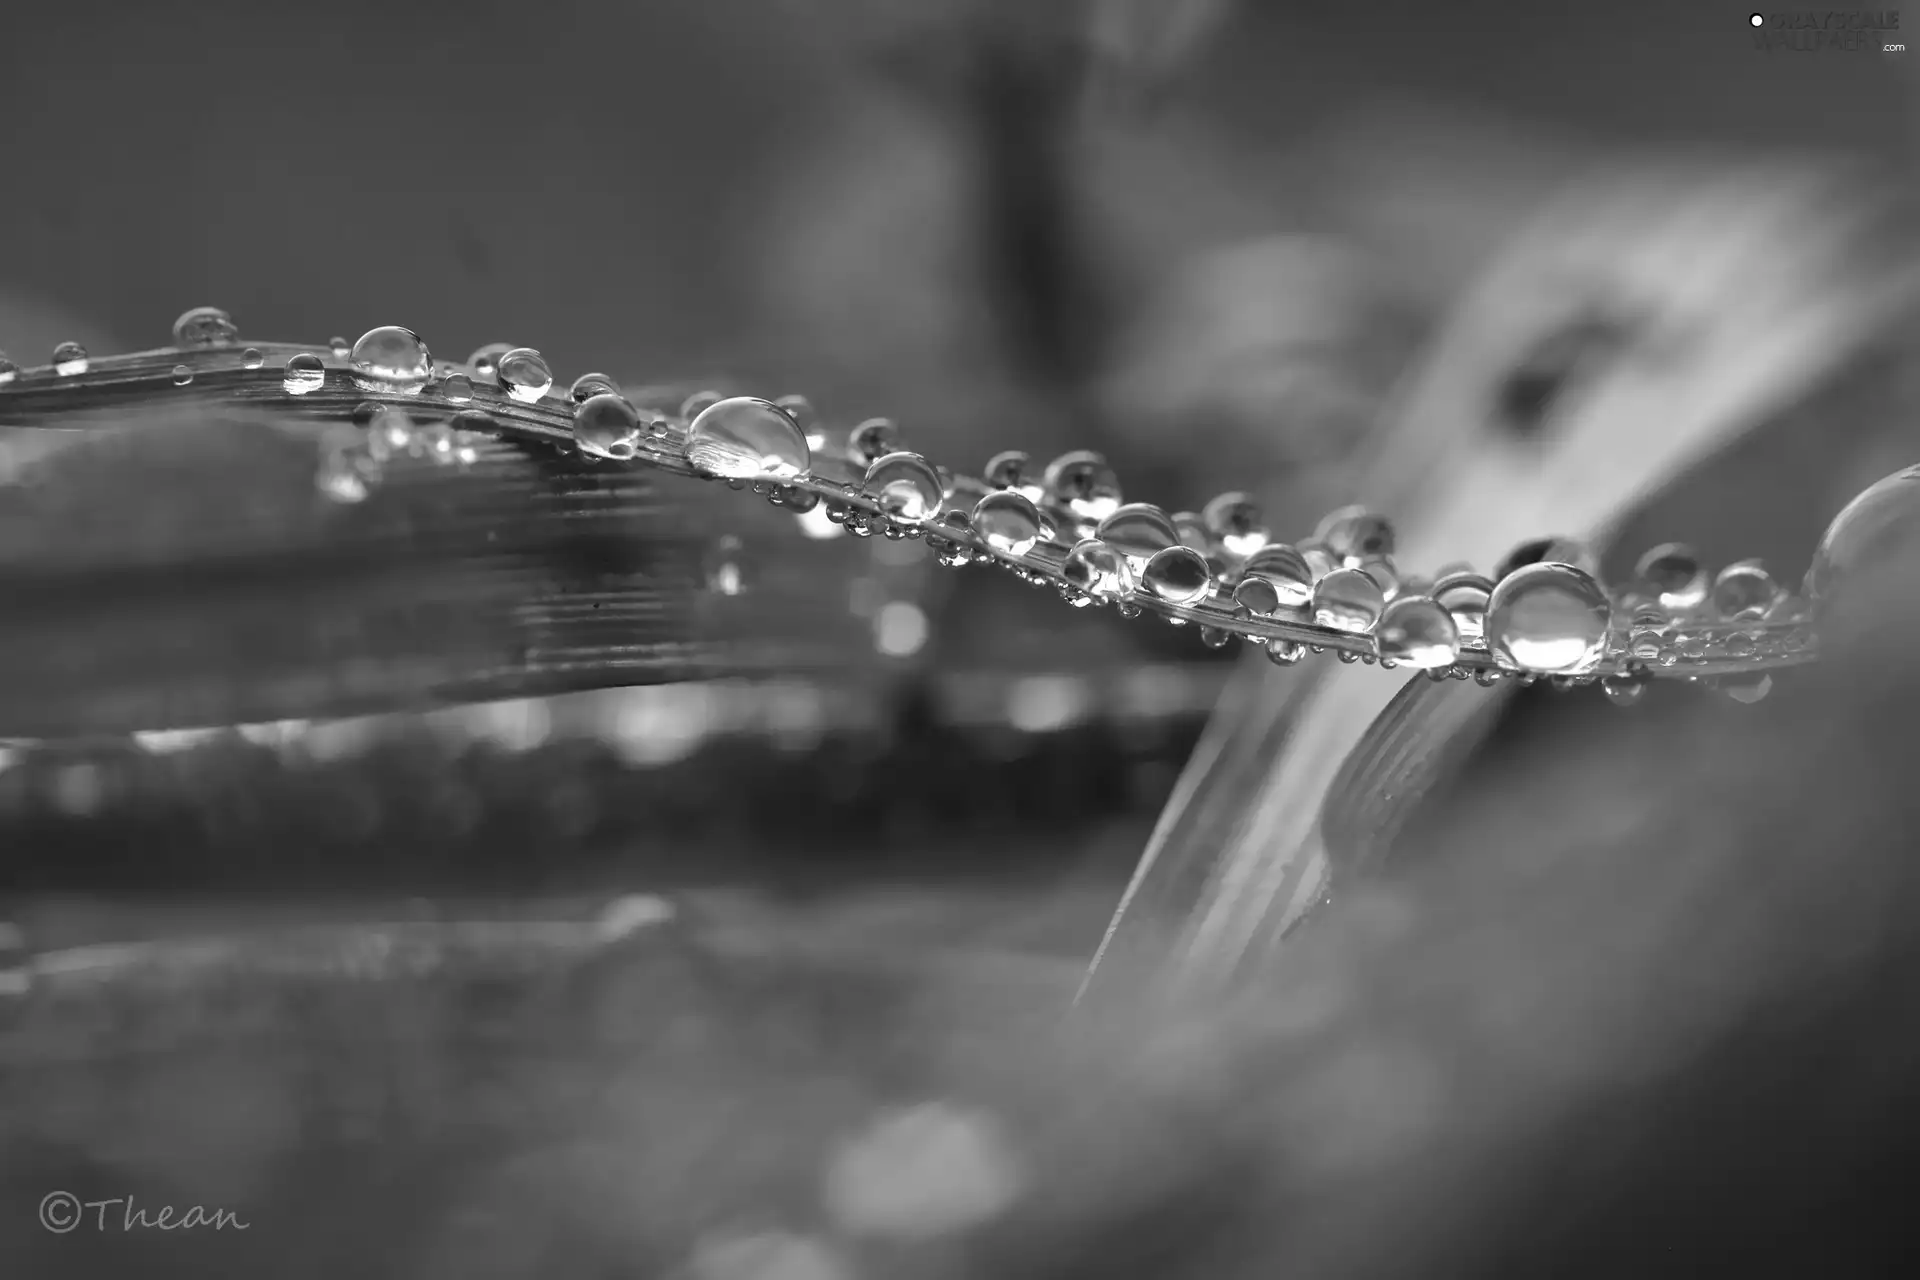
1319	560
1285	653
205	327
1215	637
1139	531
252	358
346	474
1353	534
588	385
1007	521
70	359
1235	520
1623	690
1178	575
1348	600
873	439
1098	569
800	409
749	439
8	370
699	402
1416	631
435	441
1383	572
1549	618
1279	572
1750	688
1679	581
524	374
391	359
1464	594
457	388
1743	590
1192	530
606	426
1550	550
389	433
1876	528
1084	484
726	567
905	486
1012	470
485	362
340	347
304	373
182	375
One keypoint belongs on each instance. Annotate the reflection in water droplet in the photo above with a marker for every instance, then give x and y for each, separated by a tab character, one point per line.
1464	595
1098	569
1178	575
303	373
726	567
1139	531
70	359
182	375
204	327
873	439
391	359
524	374
1876	528
1353	534
457	388
252	358
1007	521
747	438
1084	484
905	486
1417	632
1285	573
485	361
606	426
8	370
389	433
588	385
1234	519
1348	600
1548	618
340	347
1678	579
1744	590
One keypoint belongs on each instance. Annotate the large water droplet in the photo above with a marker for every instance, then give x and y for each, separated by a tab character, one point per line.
905	486
1084	484
1877	528
726	567
8	370
304	373
1353	534
205	327
391	359
872	440
524	374
1464	594
1550	618
588	385
1178	575
606	426
1348	600
745	438
1417	632
1098	569
1007	521
1679	581
1234	519
1279	573
182	375
70	360
1744	590
1139	531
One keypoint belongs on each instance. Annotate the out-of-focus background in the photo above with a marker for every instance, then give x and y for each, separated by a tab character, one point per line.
1206	239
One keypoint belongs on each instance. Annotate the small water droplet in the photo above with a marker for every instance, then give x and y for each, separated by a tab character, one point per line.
1750	688
800	409
588	385
340	347
1281	575
1012	470
182	375
1285	653
1464	594
1235	520
1007	521
1418	632
252	358
524	374
1353	534
1550	618
389	433
346	474
8	370
1215	637
747	438
1348	600
1178	575
457	388
1679	581
205	327
435	441
304	373
874	438
1556	549
391	359
1084	484
905	486
1098	569
606	426
1744	590
699	402
70	359
485	361
726	566
1139	531
1623	690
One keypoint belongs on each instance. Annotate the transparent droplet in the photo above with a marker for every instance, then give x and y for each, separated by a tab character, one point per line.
303	373
606	426
1873	530
1215	637
485	362
391	359
1348	600
748	439
1748	688
340	347
252	358
205	327
1285	653
1320	561
1417	632
905	486
1008	522
1464	594
389	433
1235	521
1139	531
1551	550
873	439
800	409
524	374
436	442
8	370
1383	572
1098	569
70	359
1623	690
1679	581
1192	530
1549	618
1284	573
457	388
1744	590
588	385
1353	534
1178	575
699	402
1012	470
182	375
1084	484
726	567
